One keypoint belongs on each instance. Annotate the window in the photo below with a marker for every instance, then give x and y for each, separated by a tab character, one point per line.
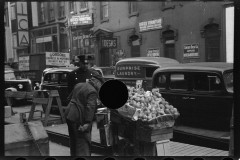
83	6
42	17
132	7
206	82
64	41
61	9
104	10
212	42
13	12
178	82
14	40
72	6
51	77
51	11
169	46
228	78
167	4
162	81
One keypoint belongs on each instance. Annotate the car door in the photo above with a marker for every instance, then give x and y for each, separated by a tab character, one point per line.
211	106
174	87
62	87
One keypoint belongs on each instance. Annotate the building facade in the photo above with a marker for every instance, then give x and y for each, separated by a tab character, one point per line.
188	31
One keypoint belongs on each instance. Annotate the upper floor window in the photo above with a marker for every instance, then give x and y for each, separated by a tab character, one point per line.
133	7
83	6
61	9
42	16
51	11
13	12
104	10
72	6
167	4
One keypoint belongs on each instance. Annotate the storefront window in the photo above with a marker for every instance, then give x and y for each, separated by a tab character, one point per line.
169	44
54	30
64	42
55	44
47	31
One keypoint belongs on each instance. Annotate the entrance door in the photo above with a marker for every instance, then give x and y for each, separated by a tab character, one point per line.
104	58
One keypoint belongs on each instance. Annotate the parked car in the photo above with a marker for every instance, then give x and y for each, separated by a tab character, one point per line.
12	83
57	79
131	70
203	94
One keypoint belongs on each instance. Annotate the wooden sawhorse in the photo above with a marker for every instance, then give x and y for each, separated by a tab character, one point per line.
39	98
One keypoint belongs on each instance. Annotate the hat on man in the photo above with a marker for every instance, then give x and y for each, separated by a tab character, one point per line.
82	59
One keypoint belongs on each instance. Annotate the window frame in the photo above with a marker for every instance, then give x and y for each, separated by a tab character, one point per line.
61	9
209	91
13	16
130	12
86	6
102	5
178	90
51	11
167	4
41	12
168	37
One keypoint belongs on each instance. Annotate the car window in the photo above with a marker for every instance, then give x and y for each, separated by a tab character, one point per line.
51	77
178	81
64	77
206	82
228	78
161	81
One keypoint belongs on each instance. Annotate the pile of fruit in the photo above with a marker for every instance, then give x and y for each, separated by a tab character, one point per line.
149	105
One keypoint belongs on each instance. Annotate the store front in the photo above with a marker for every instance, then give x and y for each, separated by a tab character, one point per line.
49	39
104	43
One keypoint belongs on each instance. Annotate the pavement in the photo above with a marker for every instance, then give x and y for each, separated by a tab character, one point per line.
59	150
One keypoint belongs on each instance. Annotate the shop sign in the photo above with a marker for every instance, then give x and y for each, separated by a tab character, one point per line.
153	52
57	59
23	63
191	51
129	71
44	39
109	42
83	19
151	25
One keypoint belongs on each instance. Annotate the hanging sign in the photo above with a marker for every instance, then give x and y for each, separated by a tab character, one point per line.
153	52
83	19
191	51
57	59
23	63
109	42
152	24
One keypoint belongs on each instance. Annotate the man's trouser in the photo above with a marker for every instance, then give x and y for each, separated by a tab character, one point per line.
80	142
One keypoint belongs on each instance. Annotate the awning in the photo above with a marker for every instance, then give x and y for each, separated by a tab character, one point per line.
101	31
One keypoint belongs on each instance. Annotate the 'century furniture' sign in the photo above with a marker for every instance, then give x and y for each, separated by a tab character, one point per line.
109	42
153	52
23	63
83	19
191	51
57	59
150	25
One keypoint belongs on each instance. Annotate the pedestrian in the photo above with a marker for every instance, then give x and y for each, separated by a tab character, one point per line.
79	115
82	73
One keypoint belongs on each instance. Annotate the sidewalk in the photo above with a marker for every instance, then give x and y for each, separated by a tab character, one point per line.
59	150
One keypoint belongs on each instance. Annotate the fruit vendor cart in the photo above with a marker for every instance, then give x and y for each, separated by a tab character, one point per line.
143	126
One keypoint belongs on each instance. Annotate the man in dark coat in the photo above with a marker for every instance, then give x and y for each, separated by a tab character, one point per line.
79	116
81	74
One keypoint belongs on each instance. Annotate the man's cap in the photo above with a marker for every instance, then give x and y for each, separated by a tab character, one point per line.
97	76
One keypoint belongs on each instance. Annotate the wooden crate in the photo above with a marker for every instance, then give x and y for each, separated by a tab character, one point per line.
147	134
19	143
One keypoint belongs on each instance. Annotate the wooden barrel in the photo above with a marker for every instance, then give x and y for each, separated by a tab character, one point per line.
18	142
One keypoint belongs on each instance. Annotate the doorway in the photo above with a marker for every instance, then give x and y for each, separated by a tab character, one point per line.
104	58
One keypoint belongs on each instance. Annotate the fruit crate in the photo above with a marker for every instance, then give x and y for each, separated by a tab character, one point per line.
147	133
